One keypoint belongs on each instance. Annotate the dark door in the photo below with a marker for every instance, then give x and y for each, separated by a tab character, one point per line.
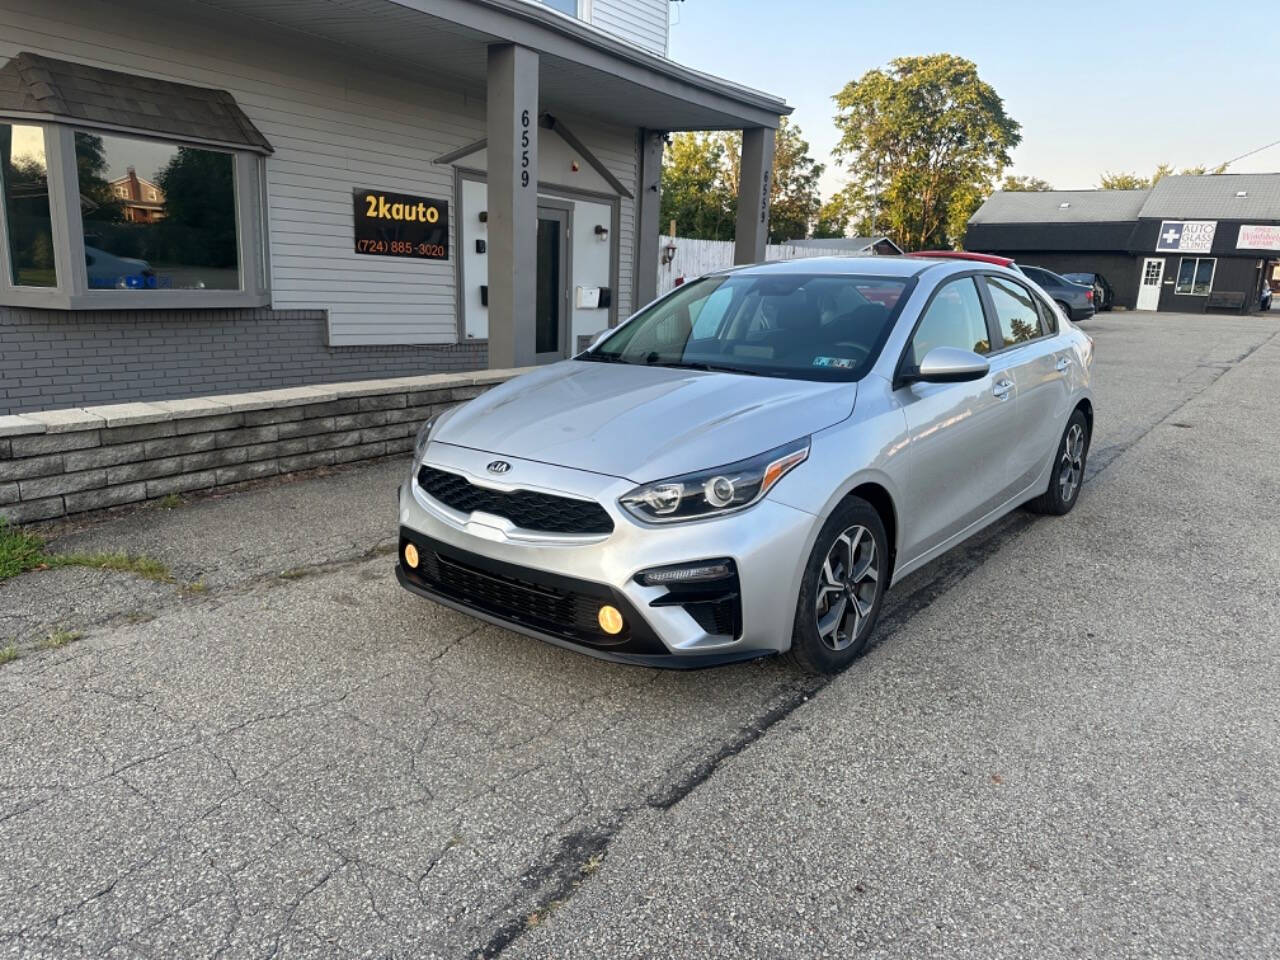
551	332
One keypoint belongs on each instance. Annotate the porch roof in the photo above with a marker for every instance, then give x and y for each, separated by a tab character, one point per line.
582	70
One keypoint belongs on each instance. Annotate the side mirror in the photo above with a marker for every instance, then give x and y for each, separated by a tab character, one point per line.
950	365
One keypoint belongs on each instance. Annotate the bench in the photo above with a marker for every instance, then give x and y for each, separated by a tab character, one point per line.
1225	300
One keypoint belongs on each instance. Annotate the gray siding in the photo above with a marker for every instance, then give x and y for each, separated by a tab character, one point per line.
52	359
642	22
334	128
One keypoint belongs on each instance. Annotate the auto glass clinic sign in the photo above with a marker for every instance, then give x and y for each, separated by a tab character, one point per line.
401	225
1186	236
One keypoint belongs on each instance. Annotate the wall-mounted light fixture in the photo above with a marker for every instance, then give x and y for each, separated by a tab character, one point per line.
602	232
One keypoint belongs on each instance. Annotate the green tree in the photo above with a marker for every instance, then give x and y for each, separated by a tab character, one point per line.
199	225
835	216
700	176
695	190
924	141
1131	181
794	202
96	199
1017	184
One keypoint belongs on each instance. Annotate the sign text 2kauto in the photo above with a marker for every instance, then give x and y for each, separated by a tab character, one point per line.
401	225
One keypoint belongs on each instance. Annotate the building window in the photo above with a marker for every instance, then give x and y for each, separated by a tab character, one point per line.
564	6
154	222
24	178
186	242
1195	276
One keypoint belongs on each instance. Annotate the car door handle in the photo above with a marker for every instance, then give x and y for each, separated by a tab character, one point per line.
1002	388
1063	363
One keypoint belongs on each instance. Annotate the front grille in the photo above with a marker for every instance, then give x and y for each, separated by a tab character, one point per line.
532	511
516	599
547	603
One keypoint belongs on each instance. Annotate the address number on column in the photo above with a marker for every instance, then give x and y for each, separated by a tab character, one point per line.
524	148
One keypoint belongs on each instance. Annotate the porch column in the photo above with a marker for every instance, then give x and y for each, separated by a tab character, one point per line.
512	116
753	195
648	209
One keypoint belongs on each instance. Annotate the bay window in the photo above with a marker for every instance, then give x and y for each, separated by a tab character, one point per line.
162	207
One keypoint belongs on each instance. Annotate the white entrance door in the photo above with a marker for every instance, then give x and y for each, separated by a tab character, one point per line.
1149	289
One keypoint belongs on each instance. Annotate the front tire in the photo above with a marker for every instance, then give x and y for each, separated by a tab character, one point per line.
1067	474
842	590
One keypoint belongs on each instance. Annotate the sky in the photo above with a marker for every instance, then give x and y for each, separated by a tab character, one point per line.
1119	86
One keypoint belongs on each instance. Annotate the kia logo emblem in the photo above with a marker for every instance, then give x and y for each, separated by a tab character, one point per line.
499	466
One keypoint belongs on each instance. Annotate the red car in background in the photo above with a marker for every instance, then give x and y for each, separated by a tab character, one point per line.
966	255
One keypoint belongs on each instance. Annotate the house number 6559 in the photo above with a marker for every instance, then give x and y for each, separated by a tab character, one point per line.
524	148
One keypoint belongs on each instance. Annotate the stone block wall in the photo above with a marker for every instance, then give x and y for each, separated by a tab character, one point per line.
59	462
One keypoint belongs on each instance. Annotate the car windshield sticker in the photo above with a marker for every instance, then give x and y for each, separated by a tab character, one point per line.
844	363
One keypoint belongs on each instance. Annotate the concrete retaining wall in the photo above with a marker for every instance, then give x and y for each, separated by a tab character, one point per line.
61	462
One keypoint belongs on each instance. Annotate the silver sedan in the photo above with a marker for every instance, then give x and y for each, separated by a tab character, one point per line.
746	465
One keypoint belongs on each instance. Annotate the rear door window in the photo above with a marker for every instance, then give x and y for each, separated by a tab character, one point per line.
1016	311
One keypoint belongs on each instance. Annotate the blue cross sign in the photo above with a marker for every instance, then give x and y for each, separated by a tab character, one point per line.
1187	236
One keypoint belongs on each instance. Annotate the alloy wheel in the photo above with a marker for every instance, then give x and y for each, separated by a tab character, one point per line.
1071	468
847	588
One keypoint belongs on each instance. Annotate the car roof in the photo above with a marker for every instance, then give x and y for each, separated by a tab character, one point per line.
870	266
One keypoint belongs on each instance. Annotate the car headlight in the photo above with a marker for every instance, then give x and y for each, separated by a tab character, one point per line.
424	436
714	492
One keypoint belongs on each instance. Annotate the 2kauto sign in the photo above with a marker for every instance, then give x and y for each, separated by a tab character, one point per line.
1186	236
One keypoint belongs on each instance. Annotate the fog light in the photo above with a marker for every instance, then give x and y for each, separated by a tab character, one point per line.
411	556
610	620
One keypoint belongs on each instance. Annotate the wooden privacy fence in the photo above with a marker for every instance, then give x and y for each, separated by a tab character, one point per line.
693	258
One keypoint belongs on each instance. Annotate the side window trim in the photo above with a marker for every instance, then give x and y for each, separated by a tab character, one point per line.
993	319
988	316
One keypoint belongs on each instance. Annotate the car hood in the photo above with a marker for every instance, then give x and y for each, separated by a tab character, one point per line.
642	423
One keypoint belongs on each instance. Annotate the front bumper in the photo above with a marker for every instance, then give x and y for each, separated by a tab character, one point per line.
550	587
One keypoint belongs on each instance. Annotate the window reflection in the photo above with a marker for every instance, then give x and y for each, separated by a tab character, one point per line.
1016	310
25	173
157	216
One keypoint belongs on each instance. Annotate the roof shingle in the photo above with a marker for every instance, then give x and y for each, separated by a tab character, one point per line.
1215	197
1061	206
30	83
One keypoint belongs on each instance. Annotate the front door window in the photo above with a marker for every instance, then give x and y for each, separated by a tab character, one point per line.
549	329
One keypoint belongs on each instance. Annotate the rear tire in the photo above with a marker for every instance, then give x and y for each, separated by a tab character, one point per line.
842	590
1067	474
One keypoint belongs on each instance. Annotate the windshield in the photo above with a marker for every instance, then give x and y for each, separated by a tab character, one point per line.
809	327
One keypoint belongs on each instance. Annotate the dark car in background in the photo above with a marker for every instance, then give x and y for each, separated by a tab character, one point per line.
1075	299
1104	298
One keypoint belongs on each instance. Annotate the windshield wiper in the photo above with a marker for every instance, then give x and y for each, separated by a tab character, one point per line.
602	358
708	367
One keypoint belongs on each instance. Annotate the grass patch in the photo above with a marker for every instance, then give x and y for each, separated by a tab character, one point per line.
60	638
8	653
21	551
146	567
169	501
195	588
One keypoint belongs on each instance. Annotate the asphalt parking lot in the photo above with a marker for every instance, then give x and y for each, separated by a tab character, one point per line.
1065	744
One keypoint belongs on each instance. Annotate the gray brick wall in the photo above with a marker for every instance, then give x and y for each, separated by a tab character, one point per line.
55	358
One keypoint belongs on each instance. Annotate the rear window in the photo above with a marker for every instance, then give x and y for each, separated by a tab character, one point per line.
806	326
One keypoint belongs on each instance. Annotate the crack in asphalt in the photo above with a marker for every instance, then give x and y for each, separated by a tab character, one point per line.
555	881
550	881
